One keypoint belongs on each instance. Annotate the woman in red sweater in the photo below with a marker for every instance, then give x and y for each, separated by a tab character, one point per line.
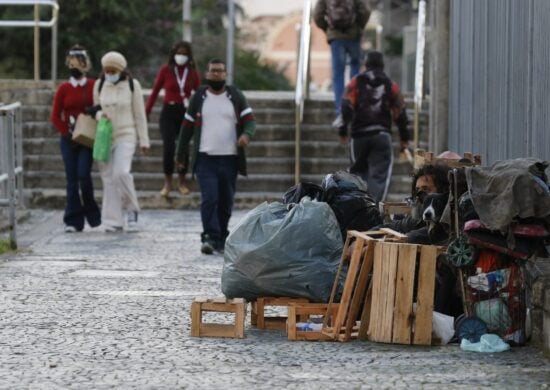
179	79
70	99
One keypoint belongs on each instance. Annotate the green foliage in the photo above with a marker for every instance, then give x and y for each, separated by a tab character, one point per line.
4	246
143	30
393	45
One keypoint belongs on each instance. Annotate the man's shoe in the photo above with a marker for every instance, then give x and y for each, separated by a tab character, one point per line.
112	229
132	226
207	248
338	122
70	229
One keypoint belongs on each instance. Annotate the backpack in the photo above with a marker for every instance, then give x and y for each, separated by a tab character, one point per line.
102	81
341	14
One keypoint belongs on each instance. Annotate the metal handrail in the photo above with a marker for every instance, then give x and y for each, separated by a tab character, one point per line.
302	90
11	160
36	24
419	68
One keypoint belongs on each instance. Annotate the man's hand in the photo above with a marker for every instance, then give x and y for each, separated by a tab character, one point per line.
404	145
180	166
144	150
344	140
243	140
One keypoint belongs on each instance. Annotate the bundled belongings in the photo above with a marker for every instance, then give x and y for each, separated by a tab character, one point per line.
505	219
278	252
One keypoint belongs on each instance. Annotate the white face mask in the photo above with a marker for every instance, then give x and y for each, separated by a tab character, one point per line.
112	78
181	59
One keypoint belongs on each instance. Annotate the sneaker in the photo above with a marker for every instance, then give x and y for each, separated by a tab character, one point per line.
112	229
183	189
338	122
70	229
207	248
132	226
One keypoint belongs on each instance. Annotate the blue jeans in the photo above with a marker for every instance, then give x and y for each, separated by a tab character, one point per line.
217	177
78	166
340	49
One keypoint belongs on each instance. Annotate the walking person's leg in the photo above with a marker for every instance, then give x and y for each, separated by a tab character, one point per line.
84	166
354	52
207	177
124	182
73	216
111	209
338	58
380	165
227	184
359	156
168	133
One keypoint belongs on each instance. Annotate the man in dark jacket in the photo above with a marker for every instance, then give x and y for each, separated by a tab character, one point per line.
343	21
370	105
221	124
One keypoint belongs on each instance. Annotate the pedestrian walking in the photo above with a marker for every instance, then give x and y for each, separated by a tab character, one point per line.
343	22
221	124
371	103
70	100
119	98
179	79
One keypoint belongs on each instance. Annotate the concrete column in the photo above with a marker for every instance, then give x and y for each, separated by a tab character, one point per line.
439	75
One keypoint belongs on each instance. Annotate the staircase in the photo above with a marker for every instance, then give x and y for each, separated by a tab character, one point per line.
270	155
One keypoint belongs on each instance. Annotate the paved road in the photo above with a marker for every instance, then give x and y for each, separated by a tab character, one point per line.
99	311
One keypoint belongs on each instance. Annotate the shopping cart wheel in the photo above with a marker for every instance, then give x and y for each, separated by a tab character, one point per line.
470	328
459	252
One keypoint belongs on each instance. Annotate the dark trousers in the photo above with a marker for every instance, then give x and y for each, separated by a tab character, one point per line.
372	159
80	190
171	117
217	177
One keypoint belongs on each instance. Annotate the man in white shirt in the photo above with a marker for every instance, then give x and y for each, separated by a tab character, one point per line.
221	124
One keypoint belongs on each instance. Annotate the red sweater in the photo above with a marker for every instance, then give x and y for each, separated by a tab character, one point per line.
70	101
166	78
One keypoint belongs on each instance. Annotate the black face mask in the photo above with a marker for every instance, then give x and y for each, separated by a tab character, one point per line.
216	85
76	73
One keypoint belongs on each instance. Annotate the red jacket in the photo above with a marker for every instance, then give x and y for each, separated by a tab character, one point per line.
166	78
70	101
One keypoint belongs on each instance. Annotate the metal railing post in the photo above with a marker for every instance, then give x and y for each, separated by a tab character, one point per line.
419	69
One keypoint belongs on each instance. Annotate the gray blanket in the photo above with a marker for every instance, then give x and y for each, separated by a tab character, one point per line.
509	189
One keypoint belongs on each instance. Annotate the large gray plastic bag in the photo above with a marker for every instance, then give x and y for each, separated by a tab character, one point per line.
275	252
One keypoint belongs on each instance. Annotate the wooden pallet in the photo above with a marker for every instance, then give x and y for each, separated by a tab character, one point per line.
422	157
399	268
258	317
342	325
201	305
301	312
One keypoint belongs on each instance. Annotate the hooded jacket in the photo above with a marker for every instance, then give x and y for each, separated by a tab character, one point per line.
354	32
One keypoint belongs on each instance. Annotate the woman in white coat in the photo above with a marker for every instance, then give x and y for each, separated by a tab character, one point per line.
119	98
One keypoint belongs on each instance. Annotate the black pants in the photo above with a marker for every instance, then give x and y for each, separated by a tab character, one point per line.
372	159
171	118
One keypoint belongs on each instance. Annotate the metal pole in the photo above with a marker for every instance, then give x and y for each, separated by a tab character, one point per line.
187	20
419	68
230	40
54	54
11	180
36	42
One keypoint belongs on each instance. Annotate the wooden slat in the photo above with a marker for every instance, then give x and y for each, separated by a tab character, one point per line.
291	323
260	313
360	288
365	315
390	290
402	323
238	300
336	283
349	284
240	316
253	313
382	300
376	314
393	233
217	330
425	295
218	300
196	319
220	307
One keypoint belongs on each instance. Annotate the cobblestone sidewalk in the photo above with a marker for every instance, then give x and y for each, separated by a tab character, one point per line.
96	311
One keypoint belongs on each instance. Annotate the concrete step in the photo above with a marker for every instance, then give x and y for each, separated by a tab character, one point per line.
154	181
256	165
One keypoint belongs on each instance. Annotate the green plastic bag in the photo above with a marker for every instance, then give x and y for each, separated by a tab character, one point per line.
103	140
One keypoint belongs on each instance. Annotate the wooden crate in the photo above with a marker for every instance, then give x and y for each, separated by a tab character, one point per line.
258	317
403	275
200	329
298	312
342	325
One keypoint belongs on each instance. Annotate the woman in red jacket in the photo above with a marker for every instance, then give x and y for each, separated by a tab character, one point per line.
179	79
70	99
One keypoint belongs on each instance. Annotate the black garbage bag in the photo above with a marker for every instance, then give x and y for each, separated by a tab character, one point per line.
347	196
295	193
275	252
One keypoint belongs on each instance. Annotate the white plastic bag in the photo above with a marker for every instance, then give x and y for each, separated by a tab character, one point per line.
443	327
487	343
